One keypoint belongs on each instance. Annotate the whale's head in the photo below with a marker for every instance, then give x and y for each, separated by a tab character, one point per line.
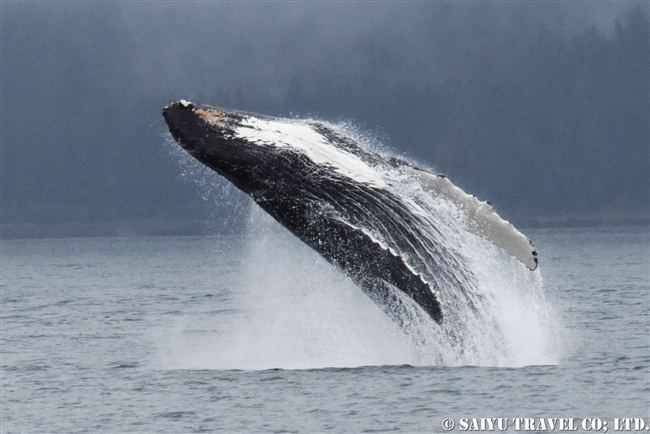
213	136
248	148
192	124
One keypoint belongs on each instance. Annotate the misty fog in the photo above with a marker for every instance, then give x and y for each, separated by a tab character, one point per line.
540	108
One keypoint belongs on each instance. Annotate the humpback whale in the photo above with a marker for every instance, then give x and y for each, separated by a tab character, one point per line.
348	203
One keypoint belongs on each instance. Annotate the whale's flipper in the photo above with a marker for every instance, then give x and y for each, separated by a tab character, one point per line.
482	220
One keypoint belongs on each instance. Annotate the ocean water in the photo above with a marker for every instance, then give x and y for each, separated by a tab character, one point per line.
256	333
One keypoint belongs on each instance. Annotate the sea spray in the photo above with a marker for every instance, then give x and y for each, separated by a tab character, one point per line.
290	309
298	311
225	205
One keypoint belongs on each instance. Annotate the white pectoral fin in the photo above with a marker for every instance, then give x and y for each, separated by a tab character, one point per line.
482	220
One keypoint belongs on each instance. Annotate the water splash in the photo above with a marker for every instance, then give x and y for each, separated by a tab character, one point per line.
226	205
295	311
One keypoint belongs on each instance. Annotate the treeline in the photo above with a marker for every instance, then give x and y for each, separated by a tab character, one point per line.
555	126
540	122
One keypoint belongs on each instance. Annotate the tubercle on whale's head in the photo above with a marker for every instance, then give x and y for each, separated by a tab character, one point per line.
213	116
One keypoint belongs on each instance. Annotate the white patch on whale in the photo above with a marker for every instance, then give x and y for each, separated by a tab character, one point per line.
302	137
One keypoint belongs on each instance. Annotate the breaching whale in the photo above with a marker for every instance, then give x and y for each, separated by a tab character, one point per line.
345	201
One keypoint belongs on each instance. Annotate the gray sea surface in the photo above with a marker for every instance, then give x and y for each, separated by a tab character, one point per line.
238	334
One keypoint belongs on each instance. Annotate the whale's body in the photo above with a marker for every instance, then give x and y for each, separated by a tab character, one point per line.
347	202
